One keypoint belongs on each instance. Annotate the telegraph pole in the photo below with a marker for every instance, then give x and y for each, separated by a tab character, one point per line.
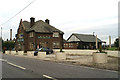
1	42
1	32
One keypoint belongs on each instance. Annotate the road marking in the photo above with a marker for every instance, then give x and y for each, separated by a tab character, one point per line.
13	64
49	77
3	60
16	65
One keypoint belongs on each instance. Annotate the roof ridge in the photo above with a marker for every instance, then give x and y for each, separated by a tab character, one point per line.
82	34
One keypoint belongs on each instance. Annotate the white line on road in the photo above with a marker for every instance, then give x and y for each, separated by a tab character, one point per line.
13	64
16	65
3	60
49	77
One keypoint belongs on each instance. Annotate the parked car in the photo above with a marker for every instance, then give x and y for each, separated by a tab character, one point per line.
47	50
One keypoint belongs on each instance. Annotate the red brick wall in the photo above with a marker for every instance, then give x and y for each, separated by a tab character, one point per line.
36	40
68	45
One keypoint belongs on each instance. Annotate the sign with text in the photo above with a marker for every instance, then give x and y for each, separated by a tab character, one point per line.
44	37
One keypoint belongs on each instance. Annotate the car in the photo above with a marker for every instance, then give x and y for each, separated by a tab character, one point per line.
47	50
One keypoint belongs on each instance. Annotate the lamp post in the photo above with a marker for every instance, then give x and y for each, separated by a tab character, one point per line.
109	41
1	41
1	32
96	43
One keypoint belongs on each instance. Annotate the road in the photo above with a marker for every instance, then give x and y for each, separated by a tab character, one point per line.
22	67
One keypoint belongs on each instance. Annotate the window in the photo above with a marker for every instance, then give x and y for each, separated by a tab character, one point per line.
31	34
31	45
21	35
55	34
56	45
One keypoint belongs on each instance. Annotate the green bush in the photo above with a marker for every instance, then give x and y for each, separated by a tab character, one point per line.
42	49
100	50
61	50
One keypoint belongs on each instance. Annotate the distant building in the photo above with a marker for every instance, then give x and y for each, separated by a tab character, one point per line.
81	41
32	35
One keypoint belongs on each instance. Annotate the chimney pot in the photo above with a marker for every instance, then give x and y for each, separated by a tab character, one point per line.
47	21
32	21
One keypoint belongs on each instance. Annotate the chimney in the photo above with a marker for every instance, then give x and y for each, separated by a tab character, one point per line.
10	34
32	21
47	21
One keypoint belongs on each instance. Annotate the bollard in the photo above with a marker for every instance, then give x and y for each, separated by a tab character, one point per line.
99	58
30	53
20	53
60	56
13	52
41	55
7	52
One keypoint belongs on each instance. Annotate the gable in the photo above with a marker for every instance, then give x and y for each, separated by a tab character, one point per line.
73	38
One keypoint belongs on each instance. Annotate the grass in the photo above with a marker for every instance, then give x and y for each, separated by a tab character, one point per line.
113	49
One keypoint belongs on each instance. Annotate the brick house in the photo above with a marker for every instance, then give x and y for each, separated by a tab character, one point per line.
82	41
32	35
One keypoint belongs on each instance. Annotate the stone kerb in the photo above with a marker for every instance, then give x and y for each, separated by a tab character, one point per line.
41	55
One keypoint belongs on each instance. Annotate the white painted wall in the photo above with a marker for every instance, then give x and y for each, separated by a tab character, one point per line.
73	38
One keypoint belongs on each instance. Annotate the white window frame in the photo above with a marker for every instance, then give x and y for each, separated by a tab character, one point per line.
55	34
31	34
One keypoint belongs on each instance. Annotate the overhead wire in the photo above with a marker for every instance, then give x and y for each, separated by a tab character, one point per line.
18	12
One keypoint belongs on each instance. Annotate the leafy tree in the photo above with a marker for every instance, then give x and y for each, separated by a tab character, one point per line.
116	43
8	45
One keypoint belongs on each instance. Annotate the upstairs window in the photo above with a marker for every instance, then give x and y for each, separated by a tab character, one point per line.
21	35
55	34
31	34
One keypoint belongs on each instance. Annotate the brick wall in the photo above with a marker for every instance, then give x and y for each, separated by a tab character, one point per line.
39	38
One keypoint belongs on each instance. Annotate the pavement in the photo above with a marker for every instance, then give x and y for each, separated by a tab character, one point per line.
22	67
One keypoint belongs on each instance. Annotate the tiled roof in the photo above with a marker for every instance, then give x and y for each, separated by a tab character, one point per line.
87	38
40	26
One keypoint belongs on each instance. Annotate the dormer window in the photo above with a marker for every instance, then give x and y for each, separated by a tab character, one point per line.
31	34
55	34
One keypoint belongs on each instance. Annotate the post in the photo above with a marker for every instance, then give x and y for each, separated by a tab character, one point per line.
1	32
119	42
96	43
109	41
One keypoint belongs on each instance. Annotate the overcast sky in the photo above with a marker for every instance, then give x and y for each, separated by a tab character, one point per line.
70	16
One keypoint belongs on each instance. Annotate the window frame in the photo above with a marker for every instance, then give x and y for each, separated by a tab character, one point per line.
56	34
31	34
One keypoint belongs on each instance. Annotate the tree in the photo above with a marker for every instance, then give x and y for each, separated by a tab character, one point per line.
116	43
8	45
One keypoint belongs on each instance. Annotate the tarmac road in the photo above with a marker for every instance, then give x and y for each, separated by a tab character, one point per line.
22	67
